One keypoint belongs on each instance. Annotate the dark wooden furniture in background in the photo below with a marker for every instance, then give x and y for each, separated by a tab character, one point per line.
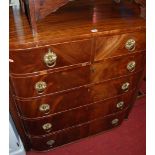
39	9
79	74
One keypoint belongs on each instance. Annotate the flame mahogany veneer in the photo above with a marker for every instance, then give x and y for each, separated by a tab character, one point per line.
89	59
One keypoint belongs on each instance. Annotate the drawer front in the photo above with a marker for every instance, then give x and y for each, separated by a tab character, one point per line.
49	83
50	57
77	132
30	108
43	106
54	82
114	87
118	66
77	116
119	45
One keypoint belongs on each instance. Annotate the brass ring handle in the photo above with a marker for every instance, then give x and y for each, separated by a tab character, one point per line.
40	86
131	66
115	121
120	105
44	108
125	86
47	127
50	143
130	45
50	58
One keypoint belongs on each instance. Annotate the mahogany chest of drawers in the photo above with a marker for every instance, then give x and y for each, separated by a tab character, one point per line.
79	75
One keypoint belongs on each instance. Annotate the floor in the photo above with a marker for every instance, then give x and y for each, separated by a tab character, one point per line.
128	139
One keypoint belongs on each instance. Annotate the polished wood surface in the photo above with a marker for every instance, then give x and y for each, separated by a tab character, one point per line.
77	132
108	68
32	60
39	9
67	100
58	102
74	22
56	81
115	45
91	74
59	81
77	116
45	7
113	87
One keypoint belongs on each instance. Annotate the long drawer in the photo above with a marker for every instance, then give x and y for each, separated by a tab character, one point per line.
50	104
50	56
78	115
77	132
51	82
42	106
122	44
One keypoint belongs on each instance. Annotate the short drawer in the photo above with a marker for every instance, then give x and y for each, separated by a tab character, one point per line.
119	45
117	66
77	132
50	57
114	87
47	83
76	116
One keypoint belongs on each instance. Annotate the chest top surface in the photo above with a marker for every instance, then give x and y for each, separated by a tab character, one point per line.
74	21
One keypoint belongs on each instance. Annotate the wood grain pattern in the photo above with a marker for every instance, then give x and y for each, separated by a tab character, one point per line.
56	81
39	9
86	83
115	45
117	66
78	132
59	81
76	116
111	88
58	102
32	60
45	7
74	22
78	97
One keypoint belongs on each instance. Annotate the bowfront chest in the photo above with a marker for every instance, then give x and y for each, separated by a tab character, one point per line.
78	75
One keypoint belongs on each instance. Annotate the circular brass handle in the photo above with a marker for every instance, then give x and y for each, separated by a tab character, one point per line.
125	86
40	86
47	127
131	66
44	108
50	143
130	45
115	121
50	58
120	105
